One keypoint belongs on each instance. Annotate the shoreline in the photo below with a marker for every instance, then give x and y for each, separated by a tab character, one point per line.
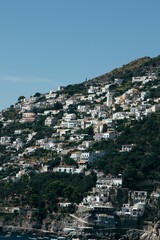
106	235
22	230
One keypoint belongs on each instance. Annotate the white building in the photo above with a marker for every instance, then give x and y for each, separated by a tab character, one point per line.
138	79
90	158
110	122
76	155
91	90
105	88
135	210
5	140
109	99
71	116
50	121
60	88
110	135
49	146
17	144
30	136
127	147
139	196
70	102
31	149
69	124
66	168
82	108
120	115
94	199
19	131
28	117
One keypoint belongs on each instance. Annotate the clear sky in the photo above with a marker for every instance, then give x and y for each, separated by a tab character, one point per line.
47	43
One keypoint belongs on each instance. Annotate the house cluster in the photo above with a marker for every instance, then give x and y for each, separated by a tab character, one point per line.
136	206
76	122
98	202
135	104
151	76
112	206
72	125
101	203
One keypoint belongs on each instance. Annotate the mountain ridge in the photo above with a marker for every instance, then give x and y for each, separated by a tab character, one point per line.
71	146
145	63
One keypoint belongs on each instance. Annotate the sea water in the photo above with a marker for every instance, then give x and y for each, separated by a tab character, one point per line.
10	236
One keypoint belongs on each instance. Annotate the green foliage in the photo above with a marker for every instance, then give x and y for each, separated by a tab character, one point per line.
42	130
20	98
88	130
72	109
69	161
44	190
106	145
70	209
155	92
76	88
138	67
37	94
41	99
58	106
150	214
139	164
12	114
119	90
54	162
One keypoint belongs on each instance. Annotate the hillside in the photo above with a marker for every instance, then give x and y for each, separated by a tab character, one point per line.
137	67
140	164
84	146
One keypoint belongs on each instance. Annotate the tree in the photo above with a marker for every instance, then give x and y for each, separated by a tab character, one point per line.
68	191
37	94
20	98
76	196
34	200
88	130
58	105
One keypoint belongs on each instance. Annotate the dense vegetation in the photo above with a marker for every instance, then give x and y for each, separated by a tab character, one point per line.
155	92
74	89
142	164
140	167
45	190
137	67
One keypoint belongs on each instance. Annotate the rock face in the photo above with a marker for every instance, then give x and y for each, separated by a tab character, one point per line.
133	235
57	225
119	197
23	224
152	235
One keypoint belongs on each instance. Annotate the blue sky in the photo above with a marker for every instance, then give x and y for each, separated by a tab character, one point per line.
47	43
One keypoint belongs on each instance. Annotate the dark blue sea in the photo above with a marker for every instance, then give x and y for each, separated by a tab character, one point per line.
11	236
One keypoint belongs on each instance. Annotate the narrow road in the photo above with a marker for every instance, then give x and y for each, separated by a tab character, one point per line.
78	219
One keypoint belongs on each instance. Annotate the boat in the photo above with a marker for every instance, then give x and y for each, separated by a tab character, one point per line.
8	235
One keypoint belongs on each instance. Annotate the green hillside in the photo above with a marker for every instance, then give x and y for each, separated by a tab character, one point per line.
140	165
137	67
